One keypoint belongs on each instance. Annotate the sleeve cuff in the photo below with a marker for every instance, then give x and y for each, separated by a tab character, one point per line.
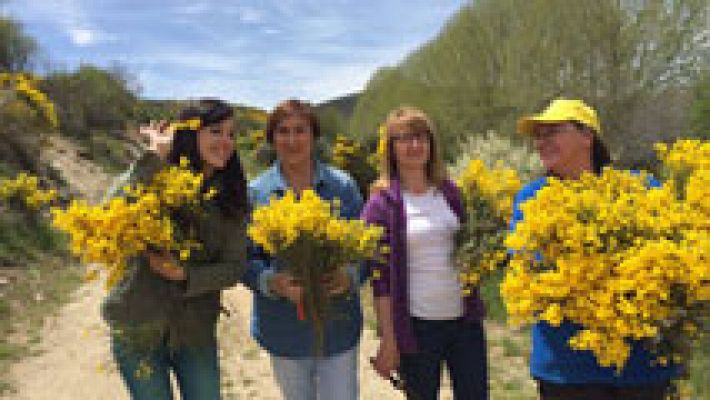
354	273
264	278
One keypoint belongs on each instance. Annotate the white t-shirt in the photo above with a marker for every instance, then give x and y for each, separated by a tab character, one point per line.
434	286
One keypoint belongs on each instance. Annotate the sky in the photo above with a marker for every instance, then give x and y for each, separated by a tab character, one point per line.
254	52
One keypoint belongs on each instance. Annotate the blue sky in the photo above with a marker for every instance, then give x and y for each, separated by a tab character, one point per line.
255	52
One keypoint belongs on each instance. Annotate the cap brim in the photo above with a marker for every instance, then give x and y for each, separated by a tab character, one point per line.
526	125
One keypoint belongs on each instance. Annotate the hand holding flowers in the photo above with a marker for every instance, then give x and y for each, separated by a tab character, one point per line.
315	246
166	266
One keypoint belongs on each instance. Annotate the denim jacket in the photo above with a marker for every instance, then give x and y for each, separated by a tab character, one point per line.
275	324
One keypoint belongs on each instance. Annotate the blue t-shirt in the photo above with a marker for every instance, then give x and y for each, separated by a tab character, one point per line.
554	361
275	324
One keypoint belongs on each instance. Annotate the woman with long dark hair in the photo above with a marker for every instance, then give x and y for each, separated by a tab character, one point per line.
163	314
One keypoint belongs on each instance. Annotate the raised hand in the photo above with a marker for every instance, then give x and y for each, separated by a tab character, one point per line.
158	136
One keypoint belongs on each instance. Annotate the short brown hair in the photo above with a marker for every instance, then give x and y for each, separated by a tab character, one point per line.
290	108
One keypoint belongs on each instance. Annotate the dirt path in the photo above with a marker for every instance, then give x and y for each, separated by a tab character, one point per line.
83	176
74	361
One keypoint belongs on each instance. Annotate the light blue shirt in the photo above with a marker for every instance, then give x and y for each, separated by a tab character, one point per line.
275	325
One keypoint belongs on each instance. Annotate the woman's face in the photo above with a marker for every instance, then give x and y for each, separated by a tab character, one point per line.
411	149
561	146
215	144
293	140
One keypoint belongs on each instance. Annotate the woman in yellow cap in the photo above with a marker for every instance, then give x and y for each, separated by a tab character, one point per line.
567	136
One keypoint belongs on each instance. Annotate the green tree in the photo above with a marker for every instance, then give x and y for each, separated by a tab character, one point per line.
332	122
700	111
91	99
498	59
21	126
17	49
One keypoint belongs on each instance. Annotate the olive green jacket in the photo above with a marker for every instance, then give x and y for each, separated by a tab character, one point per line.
146	309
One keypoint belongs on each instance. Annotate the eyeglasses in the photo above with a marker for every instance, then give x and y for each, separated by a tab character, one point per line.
547	131
408	138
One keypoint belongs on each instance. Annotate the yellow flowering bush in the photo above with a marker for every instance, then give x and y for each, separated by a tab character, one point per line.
376	158
487	196
313	240
111	234
622	260
685	155
257	138
350	156
25	85
25	189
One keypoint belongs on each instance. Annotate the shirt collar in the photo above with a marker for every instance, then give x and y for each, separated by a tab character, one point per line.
279	181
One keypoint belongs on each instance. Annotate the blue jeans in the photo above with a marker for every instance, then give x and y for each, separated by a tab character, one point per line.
147	375
458	343
327	378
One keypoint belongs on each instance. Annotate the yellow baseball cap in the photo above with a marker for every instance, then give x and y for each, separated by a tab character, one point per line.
561	110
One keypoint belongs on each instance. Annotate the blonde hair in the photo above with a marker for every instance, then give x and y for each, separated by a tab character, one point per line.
414	120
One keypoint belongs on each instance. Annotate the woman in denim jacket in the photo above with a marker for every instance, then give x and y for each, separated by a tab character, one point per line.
292	130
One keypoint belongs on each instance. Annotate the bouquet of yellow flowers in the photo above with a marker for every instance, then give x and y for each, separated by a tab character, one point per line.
487	196
308	234
141	219
622	260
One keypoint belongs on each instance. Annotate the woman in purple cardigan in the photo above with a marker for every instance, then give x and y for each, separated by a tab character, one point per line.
424	319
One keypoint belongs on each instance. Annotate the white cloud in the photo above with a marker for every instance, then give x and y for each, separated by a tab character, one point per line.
71	17
82	37
250	51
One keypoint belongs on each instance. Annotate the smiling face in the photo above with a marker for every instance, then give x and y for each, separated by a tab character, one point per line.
562	146
215	143
293	140
412	148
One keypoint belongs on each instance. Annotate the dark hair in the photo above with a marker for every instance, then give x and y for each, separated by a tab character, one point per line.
600	154
231	195
601	157
287	109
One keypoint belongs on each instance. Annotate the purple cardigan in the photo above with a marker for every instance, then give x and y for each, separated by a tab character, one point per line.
386	208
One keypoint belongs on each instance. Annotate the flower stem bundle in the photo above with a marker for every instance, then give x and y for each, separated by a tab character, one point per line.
310	240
